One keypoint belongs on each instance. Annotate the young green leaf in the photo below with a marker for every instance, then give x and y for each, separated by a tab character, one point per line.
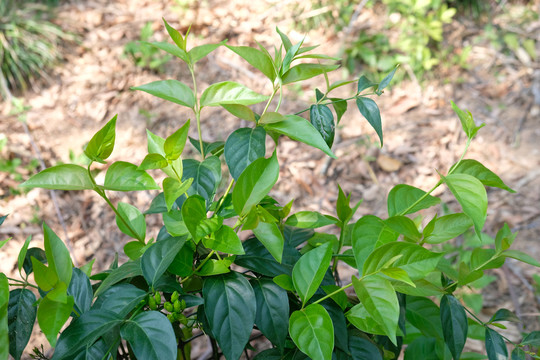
240	111
504	238
242	147
370	111
195	218
403	196
285	282
169	48
340	107
289	56
4	329
521	256
21	319
309	271
173	189
454	324
61	177
312	331
170	90
380	300
158	257
45	277
270	235
495	346
52	316
254	183
229	92
306	71
467	121
482	173
216	267
322	119
153	161
131	221
22	253
124	176
257	59
386	81
299	129
175	35
448	227
284	39
225	240
58	255
201	51
101	145
309	220
404	225
230	308
362	319
174	144
151	336
471	195
364	83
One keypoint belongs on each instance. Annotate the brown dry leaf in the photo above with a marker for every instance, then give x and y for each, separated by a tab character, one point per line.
388	163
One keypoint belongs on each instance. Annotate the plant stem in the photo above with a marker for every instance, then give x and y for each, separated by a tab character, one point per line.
280	98
224	195
334	266
199	267
461	158
420	199
333	293
332	101
270	100
197	108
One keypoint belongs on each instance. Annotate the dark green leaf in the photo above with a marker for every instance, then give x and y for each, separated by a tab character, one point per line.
151	336
81	290
61	177
369	109
199	52
271	237
120	299
21	319
259	259
174	144
448	227
424	314
454	324
309	220
272	310
124	176
504	315
225	240
229	92
101	145
295	236
518	354
4	317
58	255
322	119
386	81
422	348
158	257
533	339
37	253
52	316
244	146
214	148
129	269
363	349
257	59
482	173
230	308
495	346
403	196
306	71
309	271
170	90
364	83
182	265
131	221
206	176
340	107
312	331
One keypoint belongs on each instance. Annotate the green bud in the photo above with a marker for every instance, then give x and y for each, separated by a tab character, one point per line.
183	304
177	306
152	303
157	296
168	306
174	296
171	318
181	318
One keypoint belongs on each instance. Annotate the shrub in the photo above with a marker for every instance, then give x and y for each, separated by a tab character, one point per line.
285	281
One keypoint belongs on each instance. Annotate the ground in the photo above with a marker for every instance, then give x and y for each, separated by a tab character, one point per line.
422	134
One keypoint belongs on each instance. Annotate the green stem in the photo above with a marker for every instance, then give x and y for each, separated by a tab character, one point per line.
17	280
197	109
486	326
224	195
280	98
270	100
461	158
333	293
420	199
199	267
341	238
332	101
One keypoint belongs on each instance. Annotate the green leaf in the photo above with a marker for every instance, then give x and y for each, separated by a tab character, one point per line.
495	346
404	225
206	176
61	177
343	209
380	300
230	308
467	122
45	277
312	331
81	290
240	111
254	183
504	238
271	237
4	317
225	240
153	161
386	81
84	332
309	220
454	324
173	189
101	145
521	256
199	52
299	129
58	255
284	39
424	314
124	176
127	270
182	265
398	274
340	107
471	195
22	253
322	119
214	148
216	267
306	71
362	319
120	299
270	117
175	35
518	354
194	216
174	224
169	48
129	214
257	59
368	233
151	336
285	282
422	348
364	83
158	257
370	111
52	316
482	173
170	90
414	259
309	271
448	227
242	147
21	319
272	310
533	339
363	349
229	92
402	196
174	144
504	315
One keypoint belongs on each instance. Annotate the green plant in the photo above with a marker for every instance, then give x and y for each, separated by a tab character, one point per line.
144	54
285	280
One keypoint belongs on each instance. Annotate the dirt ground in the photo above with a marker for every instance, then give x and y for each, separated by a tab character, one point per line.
421	132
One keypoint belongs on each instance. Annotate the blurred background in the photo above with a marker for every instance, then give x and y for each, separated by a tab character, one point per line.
67	67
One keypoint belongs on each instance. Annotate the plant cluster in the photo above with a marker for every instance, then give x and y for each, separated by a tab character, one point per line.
145	55
196	277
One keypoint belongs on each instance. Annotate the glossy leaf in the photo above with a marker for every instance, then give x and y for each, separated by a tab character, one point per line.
322	119
312	331
259	259
131	221
158	257
309	220
284	281
270	117
425	315
254	184
182	265
124	176
151	336
257	59
454	324
214	148
201	51
170	90
173	189
101	145
225	240
21	318
81	290
52	316
271	237
58	255
369	110
4	318
504	315
495	345
403	225
309	271
153	161
174	144
363	349
229	92
306	71
216	267
380	300
61	177
299	129
230	308
242	147
482	173
448	227
206	176
403	196
194	216
45	277
120	299
362	319
22	253
127	270
272	310
471	195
